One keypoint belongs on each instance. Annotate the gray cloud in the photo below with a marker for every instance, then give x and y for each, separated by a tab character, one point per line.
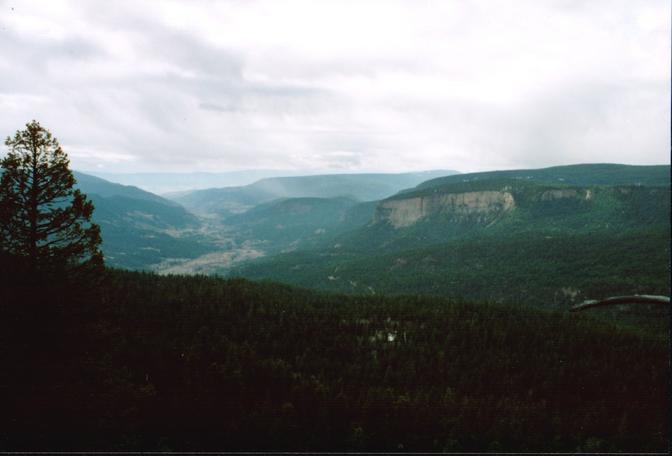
129	86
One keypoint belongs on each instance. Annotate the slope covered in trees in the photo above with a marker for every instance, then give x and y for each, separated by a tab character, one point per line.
137	361
550	271
196	363
224	202
582	174
298	223
551	244
141	229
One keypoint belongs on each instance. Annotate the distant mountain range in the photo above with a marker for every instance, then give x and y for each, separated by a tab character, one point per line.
142	230
178	182
557	234
585	174
553	235
224	202
161	183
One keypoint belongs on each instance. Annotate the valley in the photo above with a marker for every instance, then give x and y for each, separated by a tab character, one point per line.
207	231
335	227
302	322
551	236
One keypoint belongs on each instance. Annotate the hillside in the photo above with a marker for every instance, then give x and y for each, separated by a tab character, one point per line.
145	231
149	363
293	223
140	229
464	285
551	271
162	183
499	239
224	202
501	206
581	175
95	185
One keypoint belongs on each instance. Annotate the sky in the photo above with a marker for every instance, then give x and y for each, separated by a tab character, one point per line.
340	86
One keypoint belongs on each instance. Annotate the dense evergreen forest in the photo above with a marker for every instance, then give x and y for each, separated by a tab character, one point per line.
335	227
533	269
144	362
471	349
594	243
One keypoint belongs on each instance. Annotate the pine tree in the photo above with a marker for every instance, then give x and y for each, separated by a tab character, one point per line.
44	220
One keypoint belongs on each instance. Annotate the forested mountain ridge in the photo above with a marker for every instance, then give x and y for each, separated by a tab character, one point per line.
177	182
224	202
580	174
497	203
95	185
501	239
139	207
467	289
506	207
292	223
145	231
139	228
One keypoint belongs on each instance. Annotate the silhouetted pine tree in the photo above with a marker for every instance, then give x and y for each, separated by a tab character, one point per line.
43	220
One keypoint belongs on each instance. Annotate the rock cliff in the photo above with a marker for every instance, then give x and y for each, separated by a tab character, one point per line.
483	205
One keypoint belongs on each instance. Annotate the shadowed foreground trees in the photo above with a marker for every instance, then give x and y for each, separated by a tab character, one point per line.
196	364
50	271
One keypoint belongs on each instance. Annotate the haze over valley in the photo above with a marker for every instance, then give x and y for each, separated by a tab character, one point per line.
371	226
436	232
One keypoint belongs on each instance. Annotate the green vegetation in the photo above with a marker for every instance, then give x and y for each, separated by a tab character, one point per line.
471	348
598	211
291	223
588	174
43	218
196	363
544	250
140	229
545	270
130	243
101	187
228	201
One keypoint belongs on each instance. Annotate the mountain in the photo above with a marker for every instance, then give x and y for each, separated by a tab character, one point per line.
326	240
581	174
140	229
464	285
498	238
291	223
101	187
224	202
161	183
499	206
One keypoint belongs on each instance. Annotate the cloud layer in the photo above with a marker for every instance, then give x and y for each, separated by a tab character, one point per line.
340	85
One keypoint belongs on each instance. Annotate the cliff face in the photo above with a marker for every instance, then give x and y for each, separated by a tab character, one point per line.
483	205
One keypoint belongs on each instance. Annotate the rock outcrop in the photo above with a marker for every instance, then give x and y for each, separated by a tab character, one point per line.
405	212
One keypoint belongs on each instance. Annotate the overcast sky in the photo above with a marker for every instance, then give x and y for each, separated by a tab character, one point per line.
340	85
